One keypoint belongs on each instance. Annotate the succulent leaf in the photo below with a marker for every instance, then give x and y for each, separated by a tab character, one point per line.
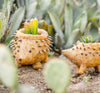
68	21
57	75
74	37
16	20
8	70
56	23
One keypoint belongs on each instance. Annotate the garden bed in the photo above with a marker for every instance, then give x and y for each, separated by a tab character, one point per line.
27	75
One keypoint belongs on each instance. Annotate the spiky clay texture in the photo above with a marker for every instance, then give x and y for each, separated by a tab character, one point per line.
84	55
31	49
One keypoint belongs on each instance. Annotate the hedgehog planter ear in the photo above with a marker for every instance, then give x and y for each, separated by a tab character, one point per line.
31	49
84	55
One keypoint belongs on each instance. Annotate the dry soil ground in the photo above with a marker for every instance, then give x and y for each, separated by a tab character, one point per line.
27	75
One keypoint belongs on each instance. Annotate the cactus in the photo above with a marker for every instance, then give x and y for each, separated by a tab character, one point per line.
8	70
32	27
27	89
43	24
86	39
57	75
26	26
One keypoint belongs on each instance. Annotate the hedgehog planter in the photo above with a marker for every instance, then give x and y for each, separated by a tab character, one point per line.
31	49
84	55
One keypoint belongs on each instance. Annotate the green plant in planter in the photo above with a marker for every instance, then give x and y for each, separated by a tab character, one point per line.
49	28
57	75
32	27
86	39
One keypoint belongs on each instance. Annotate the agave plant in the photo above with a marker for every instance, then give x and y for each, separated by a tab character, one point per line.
77	21
9	23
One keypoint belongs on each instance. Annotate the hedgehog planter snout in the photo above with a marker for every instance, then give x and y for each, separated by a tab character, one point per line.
31	49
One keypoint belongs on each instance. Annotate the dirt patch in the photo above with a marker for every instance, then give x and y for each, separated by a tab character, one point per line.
27	75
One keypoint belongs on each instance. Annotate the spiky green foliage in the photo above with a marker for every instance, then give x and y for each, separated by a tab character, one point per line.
9	28
51	54
43	25
57	75
86	39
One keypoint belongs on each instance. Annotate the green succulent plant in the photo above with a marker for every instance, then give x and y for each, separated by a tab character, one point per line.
86	39
9	22
32	27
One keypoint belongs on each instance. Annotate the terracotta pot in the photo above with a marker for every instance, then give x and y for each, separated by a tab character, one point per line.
31	49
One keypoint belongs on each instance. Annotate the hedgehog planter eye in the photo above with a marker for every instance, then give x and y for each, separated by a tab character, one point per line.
31	49
84	55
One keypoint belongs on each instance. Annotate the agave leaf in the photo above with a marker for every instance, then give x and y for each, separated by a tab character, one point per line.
57	74
77	10
87	30
21	3
95	34
30	8
56	23
81	21
59	5
62	19
91	11
8	70
45	4
58	42
3	24
16	20
68	21
18	3
1	4
6	9
75	36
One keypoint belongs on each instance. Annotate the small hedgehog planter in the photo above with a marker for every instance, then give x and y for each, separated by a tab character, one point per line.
31	49
84	55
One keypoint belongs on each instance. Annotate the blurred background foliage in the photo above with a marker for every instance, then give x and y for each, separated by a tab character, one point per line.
65	20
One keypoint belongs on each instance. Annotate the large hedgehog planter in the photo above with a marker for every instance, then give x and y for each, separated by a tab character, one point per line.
31	49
